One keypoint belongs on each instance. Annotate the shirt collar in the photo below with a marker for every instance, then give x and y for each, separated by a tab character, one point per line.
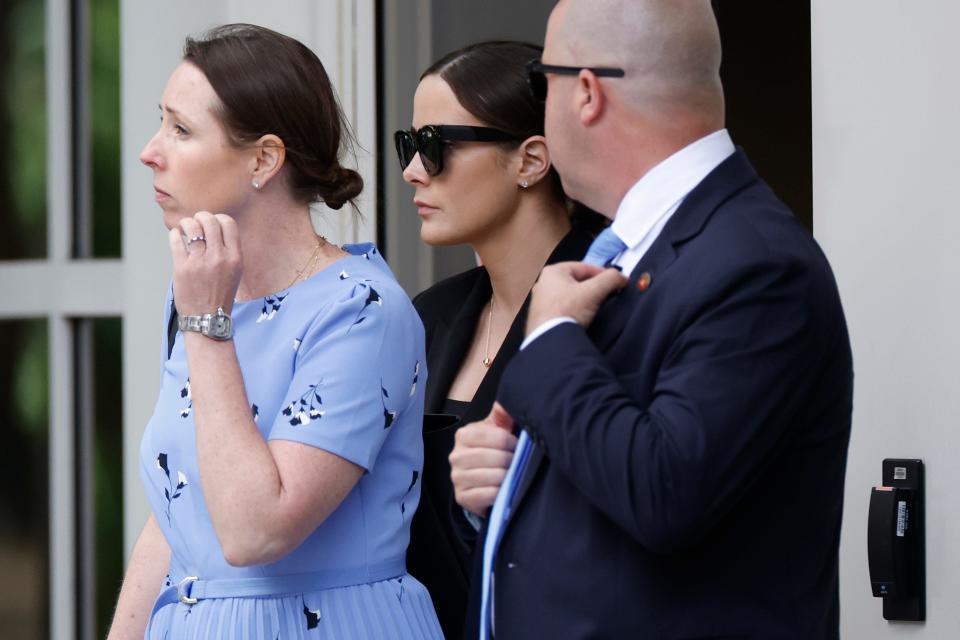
663	187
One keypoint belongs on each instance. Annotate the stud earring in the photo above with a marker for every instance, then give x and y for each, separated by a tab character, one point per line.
524	184
256	185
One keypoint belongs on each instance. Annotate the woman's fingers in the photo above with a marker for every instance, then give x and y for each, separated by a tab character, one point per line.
207	263
211	231
178	246
194	238
231	235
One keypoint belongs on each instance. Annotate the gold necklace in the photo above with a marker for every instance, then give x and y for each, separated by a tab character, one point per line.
311	261
486	357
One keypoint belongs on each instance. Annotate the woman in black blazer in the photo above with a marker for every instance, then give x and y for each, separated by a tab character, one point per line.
482	172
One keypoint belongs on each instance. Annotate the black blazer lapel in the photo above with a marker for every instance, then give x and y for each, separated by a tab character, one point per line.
451	340
453	333
573	247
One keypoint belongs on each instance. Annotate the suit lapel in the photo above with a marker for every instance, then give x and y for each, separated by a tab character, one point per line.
730	177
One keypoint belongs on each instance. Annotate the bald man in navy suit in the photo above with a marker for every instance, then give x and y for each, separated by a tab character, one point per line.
682	418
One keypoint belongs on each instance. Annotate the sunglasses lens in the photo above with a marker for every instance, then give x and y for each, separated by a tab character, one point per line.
431	150
406	147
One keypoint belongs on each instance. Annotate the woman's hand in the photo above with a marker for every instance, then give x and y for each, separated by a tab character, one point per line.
207	263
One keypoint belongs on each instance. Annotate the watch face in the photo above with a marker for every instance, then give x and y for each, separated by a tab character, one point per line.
221	327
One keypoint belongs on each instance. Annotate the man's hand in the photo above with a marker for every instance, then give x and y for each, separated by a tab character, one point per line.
574	289
480	458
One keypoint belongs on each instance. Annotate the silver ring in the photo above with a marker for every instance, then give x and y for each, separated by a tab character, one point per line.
193	239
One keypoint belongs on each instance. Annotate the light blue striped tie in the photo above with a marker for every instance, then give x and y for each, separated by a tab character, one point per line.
604	248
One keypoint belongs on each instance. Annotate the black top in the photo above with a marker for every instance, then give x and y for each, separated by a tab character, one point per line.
456	409
441	539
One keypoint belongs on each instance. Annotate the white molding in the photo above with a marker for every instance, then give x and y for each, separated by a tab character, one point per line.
408	50
363	117
62	513
61	452
343	37
68	288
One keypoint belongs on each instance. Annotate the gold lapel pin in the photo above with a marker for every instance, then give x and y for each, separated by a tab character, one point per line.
643	282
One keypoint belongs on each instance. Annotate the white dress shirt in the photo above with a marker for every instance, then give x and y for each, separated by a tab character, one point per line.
652	201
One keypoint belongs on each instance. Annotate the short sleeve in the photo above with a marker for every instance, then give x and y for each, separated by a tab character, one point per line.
354	375
165	336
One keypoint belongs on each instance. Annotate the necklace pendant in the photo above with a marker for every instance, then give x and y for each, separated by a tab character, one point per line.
486	362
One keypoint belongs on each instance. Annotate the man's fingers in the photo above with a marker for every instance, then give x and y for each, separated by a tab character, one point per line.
576	271
485	435
479	458
581	271
482	477
605	283
477	500
500	418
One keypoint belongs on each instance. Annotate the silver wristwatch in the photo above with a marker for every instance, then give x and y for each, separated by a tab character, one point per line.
218	326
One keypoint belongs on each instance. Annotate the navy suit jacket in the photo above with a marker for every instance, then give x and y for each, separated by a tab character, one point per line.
688	478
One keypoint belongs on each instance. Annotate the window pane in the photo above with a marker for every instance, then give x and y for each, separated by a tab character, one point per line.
23	130
24	547
108	468
105	113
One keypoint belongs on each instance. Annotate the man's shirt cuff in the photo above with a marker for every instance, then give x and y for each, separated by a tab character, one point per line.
473	519
543	328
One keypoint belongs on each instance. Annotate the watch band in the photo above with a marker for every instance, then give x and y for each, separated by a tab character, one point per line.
218	326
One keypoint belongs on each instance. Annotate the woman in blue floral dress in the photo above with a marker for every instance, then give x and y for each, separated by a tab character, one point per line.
282	460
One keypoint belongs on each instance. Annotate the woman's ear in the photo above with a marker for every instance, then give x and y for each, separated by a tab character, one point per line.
268	160
534	161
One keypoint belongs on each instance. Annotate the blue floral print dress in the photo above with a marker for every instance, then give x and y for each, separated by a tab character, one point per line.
334	362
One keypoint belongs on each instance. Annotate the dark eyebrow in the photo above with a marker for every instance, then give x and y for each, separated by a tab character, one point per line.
170	110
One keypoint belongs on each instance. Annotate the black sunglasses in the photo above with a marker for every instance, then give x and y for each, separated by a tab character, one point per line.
429	141
537	79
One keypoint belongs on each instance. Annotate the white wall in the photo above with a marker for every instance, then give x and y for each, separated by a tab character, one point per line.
886	133
341	32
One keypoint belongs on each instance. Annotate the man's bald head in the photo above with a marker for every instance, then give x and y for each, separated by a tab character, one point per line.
669	49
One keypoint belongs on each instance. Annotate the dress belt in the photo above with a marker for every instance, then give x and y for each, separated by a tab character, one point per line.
192	589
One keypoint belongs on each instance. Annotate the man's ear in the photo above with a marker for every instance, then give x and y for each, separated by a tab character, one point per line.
590	97
534	160
268	159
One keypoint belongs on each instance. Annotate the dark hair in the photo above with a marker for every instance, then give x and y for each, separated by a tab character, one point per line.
489	79
269	83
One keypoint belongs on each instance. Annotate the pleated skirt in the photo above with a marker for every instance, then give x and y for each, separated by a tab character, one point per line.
399	608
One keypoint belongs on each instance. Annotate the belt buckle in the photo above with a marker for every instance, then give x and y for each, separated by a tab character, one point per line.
182	588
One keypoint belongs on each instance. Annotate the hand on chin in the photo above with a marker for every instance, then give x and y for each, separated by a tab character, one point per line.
207	262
